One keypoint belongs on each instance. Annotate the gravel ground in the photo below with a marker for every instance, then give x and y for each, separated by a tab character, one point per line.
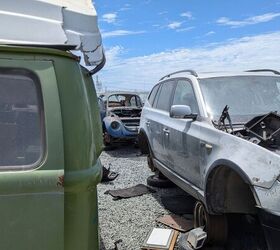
129	220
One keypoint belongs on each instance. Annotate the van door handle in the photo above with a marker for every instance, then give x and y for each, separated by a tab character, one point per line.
166	131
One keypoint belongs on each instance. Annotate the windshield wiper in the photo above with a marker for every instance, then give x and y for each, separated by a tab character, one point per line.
225	115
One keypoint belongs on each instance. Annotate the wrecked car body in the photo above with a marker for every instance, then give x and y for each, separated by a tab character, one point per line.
218	139
122	118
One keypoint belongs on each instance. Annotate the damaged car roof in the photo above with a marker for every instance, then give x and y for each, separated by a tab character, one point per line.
49	23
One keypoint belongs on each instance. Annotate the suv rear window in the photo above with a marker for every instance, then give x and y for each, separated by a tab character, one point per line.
152	95
21	141
165	96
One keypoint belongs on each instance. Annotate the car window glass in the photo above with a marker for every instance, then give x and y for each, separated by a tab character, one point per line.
165	96
184	95
153	94
157	96
20	121
133	101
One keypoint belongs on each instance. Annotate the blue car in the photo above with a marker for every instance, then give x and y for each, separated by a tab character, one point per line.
120	113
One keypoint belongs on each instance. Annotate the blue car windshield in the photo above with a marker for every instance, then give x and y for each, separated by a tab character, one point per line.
246	96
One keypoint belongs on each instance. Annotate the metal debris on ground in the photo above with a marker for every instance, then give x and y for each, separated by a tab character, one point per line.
134	191
108	175
118	245
176	222
197	237
161	239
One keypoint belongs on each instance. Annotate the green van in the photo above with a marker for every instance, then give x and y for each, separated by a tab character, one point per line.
50	143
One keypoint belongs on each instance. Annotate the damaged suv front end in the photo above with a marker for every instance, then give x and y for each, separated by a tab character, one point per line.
217	137
121	122
252	115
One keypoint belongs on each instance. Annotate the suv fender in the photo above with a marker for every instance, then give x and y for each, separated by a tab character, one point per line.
228	189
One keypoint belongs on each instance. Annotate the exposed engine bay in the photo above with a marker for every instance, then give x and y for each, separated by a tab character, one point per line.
127	112
262	130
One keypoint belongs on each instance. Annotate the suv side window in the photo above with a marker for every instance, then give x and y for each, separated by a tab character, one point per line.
184	95
153	93
20	119
165	95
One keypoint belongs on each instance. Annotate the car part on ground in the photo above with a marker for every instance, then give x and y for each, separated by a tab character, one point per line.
176	222
130	192
229	162
159	182
108	175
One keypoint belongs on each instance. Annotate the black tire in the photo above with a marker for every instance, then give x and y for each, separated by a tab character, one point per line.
216	226
156	181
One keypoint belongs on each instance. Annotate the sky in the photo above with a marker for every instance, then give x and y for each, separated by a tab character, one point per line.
147	39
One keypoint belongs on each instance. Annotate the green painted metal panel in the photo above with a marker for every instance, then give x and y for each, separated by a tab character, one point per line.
74	143
82	148
32	202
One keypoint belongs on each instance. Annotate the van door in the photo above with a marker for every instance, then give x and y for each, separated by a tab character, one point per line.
31	156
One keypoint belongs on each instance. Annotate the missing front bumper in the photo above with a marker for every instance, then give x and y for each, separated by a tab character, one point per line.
271	225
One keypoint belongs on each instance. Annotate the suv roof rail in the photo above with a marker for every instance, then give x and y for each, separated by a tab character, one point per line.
192	72
264	70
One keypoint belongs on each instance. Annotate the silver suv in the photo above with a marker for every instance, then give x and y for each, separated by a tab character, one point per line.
217	136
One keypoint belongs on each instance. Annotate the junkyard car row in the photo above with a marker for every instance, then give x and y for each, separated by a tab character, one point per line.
217	136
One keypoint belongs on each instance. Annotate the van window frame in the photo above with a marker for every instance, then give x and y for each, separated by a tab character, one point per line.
41	114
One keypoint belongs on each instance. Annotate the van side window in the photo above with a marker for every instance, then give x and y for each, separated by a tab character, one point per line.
165	94
153	93
184	95
20	119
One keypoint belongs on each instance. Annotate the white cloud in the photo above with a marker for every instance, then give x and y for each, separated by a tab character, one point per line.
248	21
115	33
174	25
109	17
210	33
185	29
144	71
113	54
187	14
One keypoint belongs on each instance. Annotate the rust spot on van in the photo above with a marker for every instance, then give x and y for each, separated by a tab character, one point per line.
60	182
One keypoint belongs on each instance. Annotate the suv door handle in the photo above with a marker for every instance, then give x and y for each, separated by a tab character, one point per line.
148	123
166	131
206	145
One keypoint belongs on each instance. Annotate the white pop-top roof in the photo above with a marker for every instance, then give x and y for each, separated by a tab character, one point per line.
52	22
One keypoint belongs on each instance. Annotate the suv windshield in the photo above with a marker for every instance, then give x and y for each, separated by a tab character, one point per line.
246	96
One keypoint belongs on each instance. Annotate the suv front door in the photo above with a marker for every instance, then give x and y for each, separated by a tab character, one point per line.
183	143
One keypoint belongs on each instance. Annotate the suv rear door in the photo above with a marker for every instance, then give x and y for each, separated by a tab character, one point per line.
160	119
31	156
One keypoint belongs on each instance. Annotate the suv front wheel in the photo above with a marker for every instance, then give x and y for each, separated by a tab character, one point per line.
215	225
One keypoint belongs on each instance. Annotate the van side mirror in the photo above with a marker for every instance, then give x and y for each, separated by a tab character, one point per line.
182	112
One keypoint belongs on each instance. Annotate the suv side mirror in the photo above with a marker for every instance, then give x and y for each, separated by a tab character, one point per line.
182	112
